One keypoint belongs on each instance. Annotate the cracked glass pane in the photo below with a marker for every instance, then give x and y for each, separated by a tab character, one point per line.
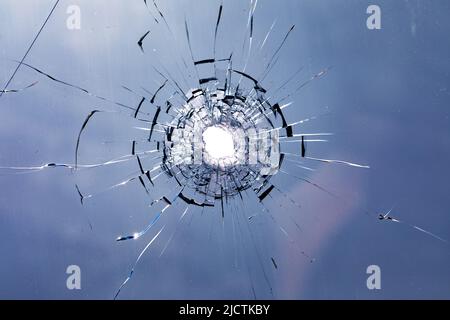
222	149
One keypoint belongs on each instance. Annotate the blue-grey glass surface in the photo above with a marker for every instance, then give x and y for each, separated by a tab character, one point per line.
385	98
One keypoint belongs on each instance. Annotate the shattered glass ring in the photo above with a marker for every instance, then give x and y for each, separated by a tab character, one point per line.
219	146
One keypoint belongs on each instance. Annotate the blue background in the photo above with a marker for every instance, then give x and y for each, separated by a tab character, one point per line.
386	99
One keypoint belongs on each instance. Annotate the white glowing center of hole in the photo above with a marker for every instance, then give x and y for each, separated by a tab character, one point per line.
218	142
